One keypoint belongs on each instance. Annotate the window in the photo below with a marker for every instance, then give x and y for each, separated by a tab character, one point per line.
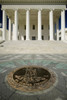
33	27
24	27
42	27
33	38
59	38
24	37
42	37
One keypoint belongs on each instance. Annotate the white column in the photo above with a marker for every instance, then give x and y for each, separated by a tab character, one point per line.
4	25
27	25
63	25
15	34
39	25
9	29
57	29
51	24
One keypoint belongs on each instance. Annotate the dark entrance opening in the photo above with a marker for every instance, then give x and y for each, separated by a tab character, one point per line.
42	37
59	38
33	38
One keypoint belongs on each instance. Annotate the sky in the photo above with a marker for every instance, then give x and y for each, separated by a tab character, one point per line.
59	21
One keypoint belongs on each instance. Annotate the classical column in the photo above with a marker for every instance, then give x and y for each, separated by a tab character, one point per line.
51	24
63	25
57	29
27	25
15	34
39	25
9	29
4	25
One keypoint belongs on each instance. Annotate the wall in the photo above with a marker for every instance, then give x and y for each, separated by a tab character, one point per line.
34	21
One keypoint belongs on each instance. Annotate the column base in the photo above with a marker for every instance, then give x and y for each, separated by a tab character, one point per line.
15	39
39	39
51	39
27	39
62	39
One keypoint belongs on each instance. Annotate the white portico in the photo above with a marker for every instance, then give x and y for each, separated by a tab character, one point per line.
33	22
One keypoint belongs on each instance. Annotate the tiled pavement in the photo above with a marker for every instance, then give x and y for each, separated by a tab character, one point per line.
48	54
56	62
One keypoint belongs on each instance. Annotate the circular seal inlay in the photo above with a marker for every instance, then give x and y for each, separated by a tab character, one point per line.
31	79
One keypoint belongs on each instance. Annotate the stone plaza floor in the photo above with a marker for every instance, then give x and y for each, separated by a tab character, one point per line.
56	62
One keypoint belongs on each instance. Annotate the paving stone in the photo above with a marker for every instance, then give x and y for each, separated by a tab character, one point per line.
56	62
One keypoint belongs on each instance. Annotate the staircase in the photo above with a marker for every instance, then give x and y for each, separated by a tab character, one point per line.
34	47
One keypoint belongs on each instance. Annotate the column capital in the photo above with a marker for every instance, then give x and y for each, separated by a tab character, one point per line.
27	9
3	9
40	9
15	9
51	9
62	10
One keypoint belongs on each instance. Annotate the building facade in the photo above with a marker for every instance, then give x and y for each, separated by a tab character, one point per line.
34	19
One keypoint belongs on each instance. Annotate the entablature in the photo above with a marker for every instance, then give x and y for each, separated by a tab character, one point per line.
33	7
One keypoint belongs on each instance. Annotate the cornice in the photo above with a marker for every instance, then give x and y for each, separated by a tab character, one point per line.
56	2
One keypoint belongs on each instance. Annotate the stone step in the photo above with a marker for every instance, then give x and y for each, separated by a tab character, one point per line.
34	47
